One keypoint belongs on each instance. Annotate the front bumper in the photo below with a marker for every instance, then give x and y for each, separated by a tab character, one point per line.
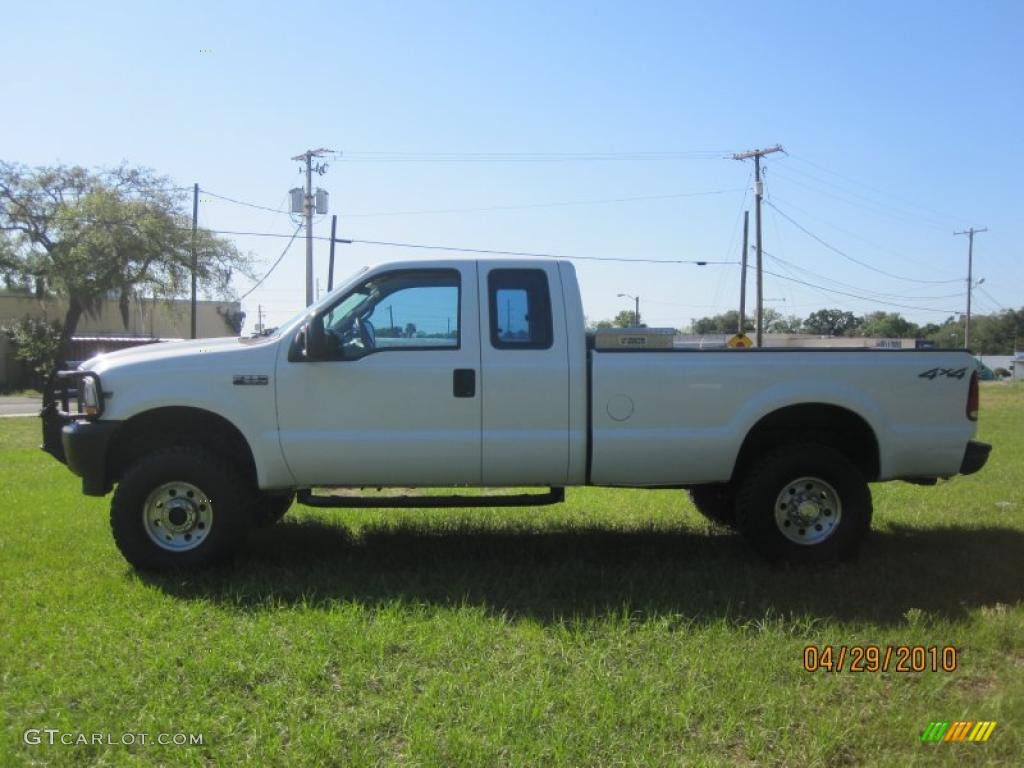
975	456
86	446
61	390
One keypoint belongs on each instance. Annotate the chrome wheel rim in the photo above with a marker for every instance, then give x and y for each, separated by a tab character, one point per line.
177	516
808	511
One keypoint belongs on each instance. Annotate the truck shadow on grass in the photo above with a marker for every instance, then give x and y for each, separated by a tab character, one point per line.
561	574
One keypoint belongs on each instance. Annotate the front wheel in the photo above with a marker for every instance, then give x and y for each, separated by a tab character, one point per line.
804	502
180	507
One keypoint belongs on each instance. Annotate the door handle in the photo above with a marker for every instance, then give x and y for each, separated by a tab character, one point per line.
464	382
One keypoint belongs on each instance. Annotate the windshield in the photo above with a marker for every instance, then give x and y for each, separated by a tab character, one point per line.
303	313
350	305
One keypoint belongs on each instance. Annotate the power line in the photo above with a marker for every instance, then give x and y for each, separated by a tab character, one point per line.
243	202
494	252
529	156
859	288
538	255
77	194
542	205
872	207
929	220
484	209
792	206
941	214
992	299
274	265
847	256
862	298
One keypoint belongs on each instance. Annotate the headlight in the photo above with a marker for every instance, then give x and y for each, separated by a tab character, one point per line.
90	398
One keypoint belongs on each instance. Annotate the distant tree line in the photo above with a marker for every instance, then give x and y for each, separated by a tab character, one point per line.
994	334
411	332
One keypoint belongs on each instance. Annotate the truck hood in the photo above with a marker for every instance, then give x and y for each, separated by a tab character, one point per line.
170	351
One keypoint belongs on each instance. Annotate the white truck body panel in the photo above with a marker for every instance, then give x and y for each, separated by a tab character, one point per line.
692	409
388	418
558	415
198	374
525	398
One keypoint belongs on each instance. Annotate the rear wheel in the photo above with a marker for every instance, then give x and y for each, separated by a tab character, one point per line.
804	502
180	507
717	502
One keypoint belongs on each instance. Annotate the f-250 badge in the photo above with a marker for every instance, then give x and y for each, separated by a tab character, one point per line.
952	373
249	379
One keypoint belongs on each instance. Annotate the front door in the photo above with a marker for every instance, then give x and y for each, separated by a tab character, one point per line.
398	401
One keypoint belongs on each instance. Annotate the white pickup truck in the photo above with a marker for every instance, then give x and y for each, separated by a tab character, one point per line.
481	373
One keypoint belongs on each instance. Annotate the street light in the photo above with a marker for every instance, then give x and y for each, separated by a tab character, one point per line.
636	312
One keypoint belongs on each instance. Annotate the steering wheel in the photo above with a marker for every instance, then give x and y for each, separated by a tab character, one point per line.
367	333
357	336
348	336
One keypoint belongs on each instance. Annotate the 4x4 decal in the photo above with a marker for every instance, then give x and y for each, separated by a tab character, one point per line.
952	373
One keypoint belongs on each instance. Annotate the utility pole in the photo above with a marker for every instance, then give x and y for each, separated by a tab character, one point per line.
307	210
757	154
391	315
743	273
330	266
195	260
259	319
970	278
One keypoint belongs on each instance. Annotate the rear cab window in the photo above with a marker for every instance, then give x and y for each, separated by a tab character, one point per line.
519	302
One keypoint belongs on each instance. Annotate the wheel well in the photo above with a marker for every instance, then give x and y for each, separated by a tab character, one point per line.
177	425
829	425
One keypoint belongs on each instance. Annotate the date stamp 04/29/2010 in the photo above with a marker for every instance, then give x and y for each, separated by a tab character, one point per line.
875	658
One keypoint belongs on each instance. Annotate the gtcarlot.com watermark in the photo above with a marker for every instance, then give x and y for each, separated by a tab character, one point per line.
37	736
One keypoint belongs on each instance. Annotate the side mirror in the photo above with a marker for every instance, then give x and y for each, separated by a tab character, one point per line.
316	340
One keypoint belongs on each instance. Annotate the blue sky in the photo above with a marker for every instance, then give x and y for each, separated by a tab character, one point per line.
904	122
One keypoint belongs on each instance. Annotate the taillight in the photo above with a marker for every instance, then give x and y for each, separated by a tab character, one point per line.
972	398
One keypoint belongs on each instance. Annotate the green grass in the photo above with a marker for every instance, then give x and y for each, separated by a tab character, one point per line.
618	629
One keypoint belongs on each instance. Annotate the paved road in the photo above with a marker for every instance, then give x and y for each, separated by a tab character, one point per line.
17	405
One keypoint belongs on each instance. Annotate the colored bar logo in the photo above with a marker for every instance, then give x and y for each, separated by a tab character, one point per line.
959	730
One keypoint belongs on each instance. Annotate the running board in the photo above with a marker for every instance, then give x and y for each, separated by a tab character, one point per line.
553	496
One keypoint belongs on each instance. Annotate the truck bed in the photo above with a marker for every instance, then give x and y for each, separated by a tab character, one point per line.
679	417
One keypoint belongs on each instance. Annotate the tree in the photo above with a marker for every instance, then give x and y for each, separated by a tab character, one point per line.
107	235
37	342
831	322
888	325
410	330
727	322
997	334
780	324
625	319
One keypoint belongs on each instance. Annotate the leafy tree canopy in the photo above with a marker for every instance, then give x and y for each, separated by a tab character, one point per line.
90	236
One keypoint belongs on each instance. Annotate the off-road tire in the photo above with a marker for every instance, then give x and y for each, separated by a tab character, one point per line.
767	479
230	497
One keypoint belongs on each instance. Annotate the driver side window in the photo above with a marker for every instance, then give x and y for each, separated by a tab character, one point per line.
403	310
